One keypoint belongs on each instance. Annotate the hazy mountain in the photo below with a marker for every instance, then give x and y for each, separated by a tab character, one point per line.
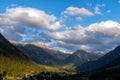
79	57
110	59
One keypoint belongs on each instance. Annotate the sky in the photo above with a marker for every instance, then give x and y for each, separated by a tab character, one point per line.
67	25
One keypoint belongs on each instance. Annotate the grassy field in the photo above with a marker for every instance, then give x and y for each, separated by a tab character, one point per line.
18	68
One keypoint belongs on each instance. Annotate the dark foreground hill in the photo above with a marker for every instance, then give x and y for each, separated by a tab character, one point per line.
105	68
110	59
16	63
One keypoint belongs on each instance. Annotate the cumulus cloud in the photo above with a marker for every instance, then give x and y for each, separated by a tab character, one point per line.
29	17
75	11
77	33
16	20
31	24
109	28
96	37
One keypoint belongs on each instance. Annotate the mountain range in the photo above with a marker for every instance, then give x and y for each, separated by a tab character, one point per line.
52	57
17	59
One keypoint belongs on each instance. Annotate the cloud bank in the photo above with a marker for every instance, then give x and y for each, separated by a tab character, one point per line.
100	36
30	24
16	20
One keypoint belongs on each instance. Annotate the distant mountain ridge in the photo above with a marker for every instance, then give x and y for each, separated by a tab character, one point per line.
81	56
54	52
43	55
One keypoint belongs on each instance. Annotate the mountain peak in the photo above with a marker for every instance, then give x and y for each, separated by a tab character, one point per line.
81	51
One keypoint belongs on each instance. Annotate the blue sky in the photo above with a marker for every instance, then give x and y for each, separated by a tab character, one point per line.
63	24
56	7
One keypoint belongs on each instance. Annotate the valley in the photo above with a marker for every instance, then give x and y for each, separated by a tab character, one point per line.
38	60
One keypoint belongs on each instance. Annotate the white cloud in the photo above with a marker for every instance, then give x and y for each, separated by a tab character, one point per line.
99	36
14	21
76	14
96	37
56	25
6	21
69	34
29	17
97	10
75	11
12	33
110	28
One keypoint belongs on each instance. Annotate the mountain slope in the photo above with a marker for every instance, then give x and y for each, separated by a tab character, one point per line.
37	54
13	60
16	63
79	57
56	53
41	54
8	50
110	59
